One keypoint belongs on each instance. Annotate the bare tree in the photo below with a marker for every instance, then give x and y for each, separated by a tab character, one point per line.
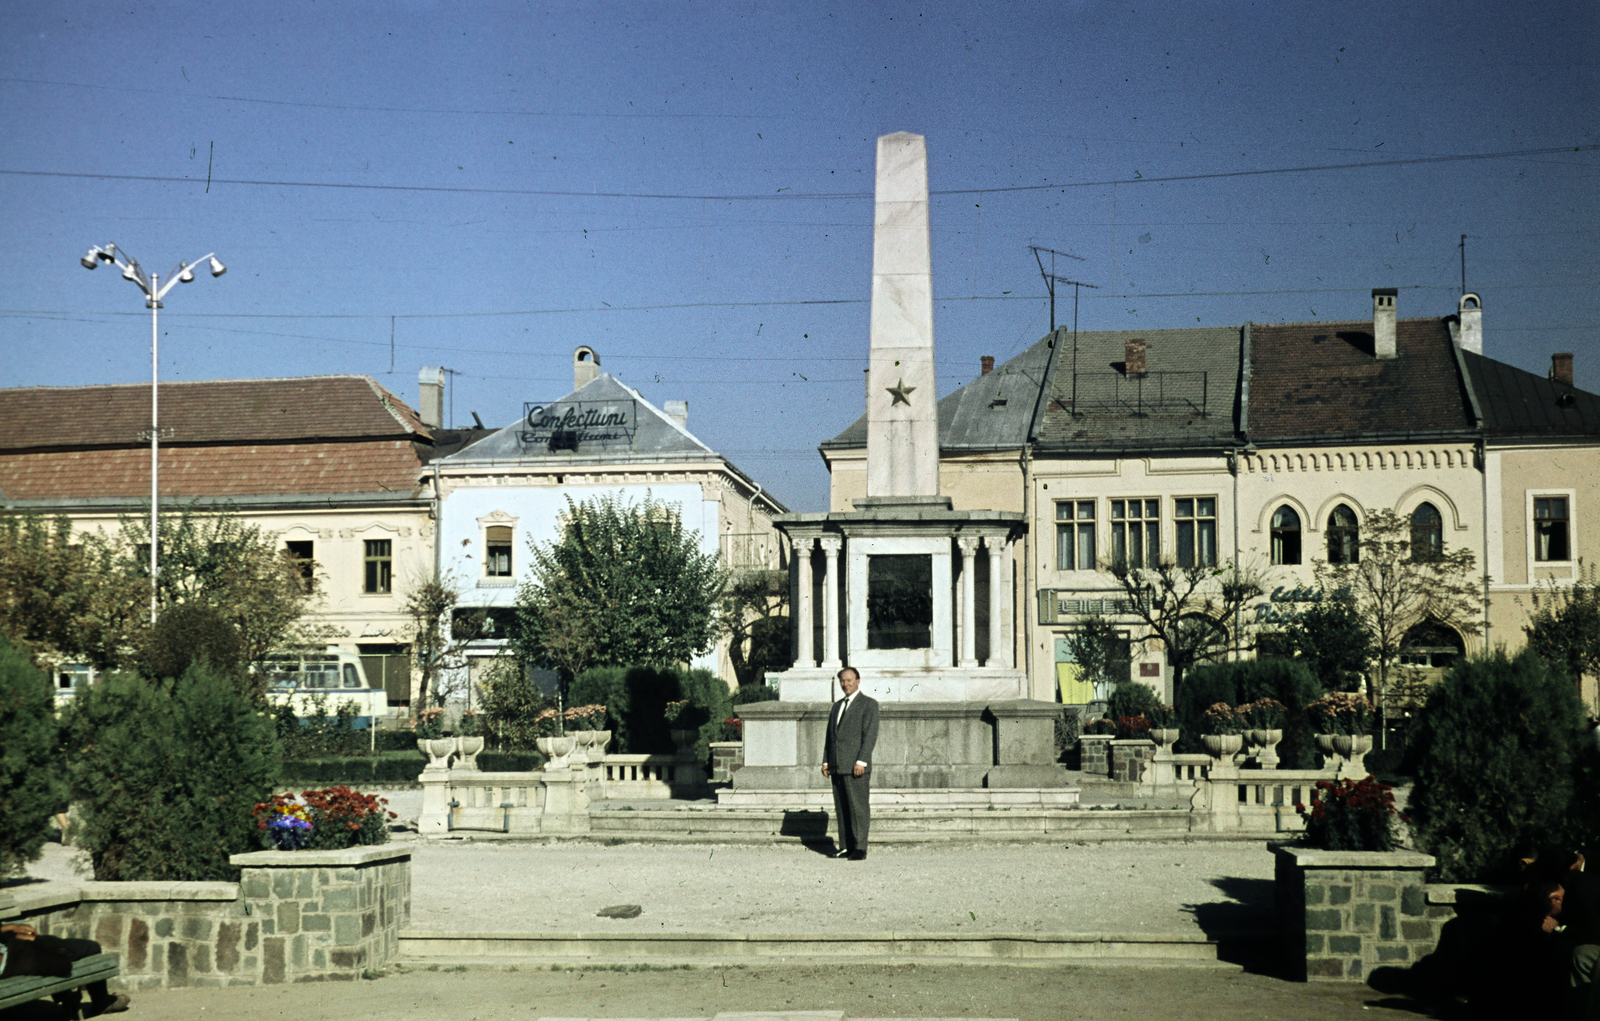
439	648
1196	613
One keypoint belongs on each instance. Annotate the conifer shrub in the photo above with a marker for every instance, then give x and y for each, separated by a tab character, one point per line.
636	701
1501	756
166	775
30	790
1129	699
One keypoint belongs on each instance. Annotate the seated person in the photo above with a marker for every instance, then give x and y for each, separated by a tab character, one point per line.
25	951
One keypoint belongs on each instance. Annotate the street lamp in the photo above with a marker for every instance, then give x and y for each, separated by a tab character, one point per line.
183	273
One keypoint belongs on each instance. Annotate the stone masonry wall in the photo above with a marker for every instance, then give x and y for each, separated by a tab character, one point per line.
326	914
1343	913
1130	758
1094	752
301	916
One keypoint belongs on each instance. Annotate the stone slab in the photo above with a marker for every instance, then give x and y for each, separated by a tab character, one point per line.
344	858
884	798
1308	857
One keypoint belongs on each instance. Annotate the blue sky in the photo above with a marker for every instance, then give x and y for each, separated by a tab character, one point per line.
687	187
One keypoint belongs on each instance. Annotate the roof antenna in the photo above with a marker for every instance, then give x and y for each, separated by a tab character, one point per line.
477	423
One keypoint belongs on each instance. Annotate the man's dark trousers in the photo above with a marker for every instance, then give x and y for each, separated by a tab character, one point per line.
850	739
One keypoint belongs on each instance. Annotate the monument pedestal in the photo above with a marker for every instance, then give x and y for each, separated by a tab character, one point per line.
1005	743
911	684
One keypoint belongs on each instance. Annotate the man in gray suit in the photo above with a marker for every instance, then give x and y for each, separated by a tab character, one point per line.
847	758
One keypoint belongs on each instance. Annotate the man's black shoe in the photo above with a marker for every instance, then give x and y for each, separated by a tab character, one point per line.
858	856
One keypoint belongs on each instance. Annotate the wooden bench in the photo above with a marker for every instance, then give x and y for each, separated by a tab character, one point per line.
26	988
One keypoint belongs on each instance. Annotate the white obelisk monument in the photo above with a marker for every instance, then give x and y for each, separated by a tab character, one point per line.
902	412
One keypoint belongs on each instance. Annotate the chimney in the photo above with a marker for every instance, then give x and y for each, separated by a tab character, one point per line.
1561	367
678	411
987	365
585	366
430	399
1471	314
1133	357
1383	342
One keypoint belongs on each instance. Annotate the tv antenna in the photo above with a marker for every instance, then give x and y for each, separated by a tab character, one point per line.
1464	259
1050	280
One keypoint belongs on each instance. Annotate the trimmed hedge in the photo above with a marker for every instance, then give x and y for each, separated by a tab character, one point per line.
394	767
636	700
1289	681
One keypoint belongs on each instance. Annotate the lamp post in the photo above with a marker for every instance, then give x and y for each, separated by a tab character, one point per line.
183	273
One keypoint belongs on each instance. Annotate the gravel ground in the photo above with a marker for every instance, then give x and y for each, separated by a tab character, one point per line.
1115	888
1104	888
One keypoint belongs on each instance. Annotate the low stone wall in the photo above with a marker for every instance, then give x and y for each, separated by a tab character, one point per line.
1094	754
301	916
726	758
1343	913
1130	758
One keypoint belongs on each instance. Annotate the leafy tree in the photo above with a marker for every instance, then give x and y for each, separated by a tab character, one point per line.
756	614
29	786
1564	626
1099	651
511	699
1330	637
623	584
64	595
190	633
167	776
1501	756
441	635
1131	698
1195	613
1393	588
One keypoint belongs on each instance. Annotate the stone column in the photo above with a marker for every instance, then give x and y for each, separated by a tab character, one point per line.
999	641
969	603
830	601
803	658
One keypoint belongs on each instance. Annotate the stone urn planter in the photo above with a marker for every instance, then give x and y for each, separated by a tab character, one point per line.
685	739
467	749
1164	737
1267	743
557	750
598	739
438	750
1353	749
1222	746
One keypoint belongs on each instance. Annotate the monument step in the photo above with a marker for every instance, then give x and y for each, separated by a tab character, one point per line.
579	949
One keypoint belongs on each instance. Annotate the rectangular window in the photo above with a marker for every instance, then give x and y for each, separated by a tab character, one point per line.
1550	529
1136	532
1196	519
301	552
497	551
1075	535
379	566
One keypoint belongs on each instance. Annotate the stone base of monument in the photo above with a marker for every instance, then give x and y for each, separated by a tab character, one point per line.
890	798
922	746
911	684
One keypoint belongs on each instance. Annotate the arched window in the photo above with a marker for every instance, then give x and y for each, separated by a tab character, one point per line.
1427	532
1344	536
1285	536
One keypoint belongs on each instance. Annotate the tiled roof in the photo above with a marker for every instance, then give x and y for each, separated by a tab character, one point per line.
214	411
990	413
1320	380
1187	397
236	471
1519	403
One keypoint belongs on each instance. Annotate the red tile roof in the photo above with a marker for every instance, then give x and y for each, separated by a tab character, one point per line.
213	411
1315	380
245	470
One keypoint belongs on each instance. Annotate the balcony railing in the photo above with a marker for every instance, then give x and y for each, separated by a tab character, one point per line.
1150	393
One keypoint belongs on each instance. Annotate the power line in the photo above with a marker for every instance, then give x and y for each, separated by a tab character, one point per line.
804	196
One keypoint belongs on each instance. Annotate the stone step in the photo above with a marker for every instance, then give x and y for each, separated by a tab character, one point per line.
423	947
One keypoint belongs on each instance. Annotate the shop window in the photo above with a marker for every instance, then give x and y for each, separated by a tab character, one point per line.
1135	533
1285	536
1196	519
1075	535
497	551
1344	536
1427	532
379	564
1551	537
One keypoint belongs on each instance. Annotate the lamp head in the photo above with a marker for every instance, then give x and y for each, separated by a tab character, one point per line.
187	276
128	273
217	268
90	261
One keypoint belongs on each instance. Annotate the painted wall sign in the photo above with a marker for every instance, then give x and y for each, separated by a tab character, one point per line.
567	426
1284	604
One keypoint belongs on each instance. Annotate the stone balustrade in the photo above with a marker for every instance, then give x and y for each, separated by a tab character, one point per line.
1233	800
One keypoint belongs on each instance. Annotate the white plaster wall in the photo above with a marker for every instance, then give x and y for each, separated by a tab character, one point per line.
537	510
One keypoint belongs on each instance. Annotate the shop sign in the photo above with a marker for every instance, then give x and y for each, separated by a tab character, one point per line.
568	426
1285	604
